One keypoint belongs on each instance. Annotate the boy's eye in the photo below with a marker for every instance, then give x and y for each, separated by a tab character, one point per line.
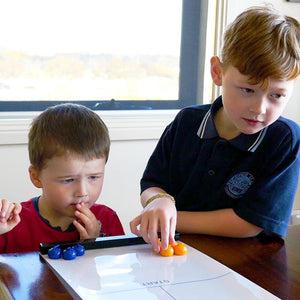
277	96
94	177
247	90
68	180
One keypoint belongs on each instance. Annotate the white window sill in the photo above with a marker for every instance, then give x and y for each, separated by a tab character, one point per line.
122	125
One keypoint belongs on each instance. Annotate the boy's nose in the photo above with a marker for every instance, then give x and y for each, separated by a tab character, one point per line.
81	189
258	106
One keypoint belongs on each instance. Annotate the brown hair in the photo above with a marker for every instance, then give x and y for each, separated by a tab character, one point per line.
263	44
67	129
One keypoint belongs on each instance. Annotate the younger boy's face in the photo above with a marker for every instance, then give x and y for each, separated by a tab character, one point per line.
249	108
68	180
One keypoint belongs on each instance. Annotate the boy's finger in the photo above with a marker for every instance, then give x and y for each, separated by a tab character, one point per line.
17	208
82	217
172	232
165	234
4	205
134	224
153	236
79	227
83	208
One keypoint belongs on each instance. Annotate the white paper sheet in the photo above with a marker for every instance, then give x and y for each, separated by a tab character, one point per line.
135	272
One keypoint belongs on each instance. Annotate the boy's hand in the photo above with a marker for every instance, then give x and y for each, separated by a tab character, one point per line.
87	224
159	215
9	215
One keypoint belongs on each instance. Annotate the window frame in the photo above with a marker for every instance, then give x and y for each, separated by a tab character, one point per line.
192	52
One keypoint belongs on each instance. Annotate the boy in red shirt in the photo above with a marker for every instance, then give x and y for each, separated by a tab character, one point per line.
68	149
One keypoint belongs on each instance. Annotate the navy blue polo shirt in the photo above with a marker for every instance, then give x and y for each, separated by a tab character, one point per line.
256	175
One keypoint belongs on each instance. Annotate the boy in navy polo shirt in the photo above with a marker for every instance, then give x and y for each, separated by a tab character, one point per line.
231	168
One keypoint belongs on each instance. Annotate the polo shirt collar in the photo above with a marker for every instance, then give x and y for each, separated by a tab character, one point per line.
245	142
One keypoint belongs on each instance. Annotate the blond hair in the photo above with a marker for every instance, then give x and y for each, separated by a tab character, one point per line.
262	44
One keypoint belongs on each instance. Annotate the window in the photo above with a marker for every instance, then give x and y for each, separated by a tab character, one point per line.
108	55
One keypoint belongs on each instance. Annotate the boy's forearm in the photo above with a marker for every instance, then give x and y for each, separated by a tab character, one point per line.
223	222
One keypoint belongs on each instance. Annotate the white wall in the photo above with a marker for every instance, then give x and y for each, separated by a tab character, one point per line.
123	173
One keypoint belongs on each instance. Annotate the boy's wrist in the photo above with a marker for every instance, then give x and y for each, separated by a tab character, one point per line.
159	195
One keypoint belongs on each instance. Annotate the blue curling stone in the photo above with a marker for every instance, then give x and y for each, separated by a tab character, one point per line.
79	249
69	254
55	252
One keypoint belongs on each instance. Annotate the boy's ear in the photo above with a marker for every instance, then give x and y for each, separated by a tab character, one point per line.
216	70
34	177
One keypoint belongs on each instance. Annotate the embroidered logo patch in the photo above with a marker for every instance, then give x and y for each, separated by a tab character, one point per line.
239	184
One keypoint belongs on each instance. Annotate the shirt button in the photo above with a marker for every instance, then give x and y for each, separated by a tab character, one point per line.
211	172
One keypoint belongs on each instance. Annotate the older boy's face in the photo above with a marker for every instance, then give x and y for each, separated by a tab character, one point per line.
68	180
248	108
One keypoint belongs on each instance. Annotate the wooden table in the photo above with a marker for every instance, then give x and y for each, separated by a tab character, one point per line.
272	263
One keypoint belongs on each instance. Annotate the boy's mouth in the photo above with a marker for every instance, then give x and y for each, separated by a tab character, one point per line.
81	203
252	122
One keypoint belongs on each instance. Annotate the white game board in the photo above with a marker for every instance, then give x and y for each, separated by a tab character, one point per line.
135	272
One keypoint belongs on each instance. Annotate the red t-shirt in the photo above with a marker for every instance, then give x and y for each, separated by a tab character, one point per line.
33	230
